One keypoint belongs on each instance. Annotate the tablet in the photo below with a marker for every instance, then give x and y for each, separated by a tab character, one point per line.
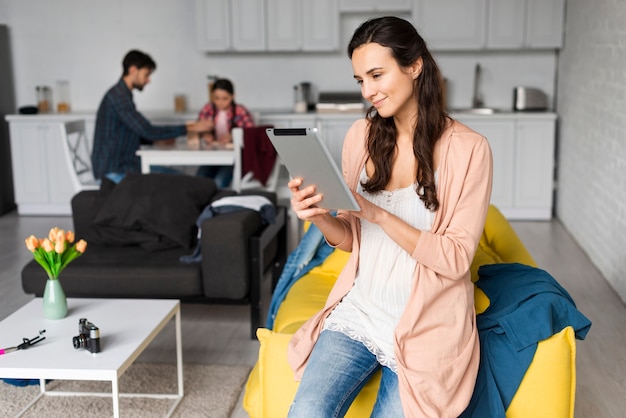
305	155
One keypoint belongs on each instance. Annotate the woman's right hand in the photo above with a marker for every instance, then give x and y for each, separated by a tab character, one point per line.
304	201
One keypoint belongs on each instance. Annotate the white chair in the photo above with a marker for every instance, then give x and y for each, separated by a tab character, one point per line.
248	181
78	156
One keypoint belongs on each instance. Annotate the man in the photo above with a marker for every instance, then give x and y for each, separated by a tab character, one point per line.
121	129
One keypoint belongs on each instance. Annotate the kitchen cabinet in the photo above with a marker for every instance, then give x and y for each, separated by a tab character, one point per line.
267	25
284	23
248	25
42	176
451	24
302	25
501	137
397	6
523	163
333	131
490	24
320	25
213	25
506	20
230	25
516	24
534	168
40	170
288	120
544	25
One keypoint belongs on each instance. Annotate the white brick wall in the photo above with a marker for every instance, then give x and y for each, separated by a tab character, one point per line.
591	194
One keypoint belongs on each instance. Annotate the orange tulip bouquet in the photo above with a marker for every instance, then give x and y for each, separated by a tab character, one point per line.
56	251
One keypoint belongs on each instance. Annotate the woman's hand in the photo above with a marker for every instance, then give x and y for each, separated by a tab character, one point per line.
369	211
405	235
304	201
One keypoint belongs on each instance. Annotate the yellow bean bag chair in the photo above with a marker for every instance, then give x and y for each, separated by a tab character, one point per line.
548	387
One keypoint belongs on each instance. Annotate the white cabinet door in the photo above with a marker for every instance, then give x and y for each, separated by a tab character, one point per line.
320	25
506	26
451	24
248	25
544	27
30	165
40	169
501	137
517	24
375	5
284	25
213	25
534	167
333	132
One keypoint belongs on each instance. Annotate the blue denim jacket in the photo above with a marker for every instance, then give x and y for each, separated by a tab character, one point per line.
311	252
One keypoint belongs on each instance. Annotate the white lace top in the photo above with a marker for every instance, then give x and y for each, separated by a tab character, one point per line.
370	311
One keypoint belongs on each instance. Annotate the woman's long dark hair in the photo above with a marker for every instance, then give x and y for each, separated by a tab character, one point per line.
406	46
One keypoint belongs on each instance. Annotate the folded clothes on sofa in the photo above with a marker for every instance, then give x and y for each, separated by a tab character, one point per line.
527	305
228	204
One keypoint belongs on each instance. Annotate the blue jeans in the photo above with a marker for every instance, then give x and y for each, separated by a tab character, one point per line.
337	370
115	177
118	177
222	174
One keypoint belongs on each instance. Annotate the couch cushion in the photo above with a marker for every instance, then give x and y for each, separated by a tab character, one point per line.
163	205
500	239
125	272
553	367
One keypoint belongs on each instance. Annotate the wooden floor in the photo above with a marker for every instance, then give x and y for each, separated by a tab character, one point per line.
214	334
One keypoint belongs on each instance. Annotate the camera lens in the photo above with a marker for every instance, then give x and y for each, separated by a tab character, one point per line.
78	341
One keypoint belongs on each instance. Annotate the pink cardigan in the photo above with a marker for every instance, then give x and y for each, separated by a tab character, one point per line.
436	340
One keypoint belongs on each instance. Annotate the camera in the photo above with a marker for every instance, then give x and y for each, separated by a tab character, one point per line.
88	336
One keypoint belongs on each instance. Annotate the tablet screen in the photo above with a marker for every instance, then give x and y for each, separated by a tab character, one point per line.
305	155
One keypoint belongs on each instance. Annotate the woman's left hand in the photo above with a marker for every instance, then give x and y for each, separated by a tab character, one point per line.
369	211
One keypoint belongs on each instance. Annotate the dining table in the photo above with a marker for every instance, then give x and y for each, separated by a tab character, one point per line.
185	152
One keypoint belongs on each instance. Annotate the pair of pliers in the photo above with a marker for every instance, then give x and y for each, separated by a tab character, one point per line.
26	342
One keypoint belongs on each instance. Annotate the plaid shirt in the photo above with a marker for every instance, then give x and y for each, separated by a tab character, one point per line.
241	119
120	130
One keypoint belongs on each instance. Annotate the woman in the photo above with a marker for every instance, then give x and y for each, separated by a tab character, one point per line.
225	114
404	302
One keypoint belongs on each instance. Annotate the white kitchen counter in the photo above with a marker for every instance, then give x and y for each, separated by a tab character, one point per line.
157	115
522	144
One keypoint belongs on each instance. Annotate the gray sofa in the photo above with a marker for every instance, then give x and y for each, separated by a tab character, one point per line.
138	230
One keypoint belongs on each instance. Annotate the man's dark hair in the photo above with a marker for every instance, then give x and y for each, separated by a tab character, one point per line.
139	60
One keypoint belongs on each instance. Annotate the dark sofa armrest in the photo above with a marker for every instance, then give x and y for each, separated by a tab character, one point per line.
85	207
225	253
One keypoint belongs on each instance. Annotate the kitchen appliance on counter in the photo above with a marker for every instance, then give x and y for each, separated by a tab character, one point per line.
304	99
529	99
338	101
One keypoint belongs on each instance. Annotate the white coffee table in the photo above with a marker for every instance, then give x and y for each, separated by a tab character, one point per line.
126	326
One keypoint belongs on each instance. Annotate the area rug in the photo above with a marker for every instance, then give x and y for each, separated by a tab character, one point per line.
210	391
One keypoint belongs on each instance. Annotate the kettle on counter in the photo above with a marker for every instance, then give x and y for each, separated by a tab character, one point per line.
303	97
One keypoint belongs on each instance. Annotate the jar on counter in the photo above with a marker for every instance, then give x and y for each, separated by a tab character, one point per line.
44	98
180	103
63	96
